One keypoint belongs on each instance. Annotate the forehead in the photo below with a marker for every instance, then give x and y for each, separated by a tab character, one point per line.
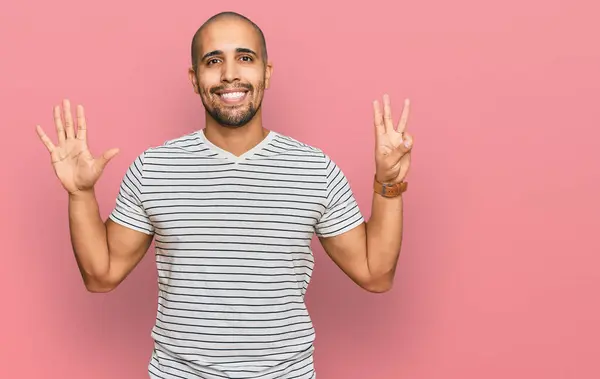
227	35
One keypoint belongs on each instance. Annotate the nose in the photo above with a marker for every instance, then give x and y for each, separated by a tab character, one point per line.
230	72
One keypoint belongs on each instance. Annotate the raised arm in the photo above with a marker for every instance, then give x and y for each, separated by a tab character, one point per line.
106	252
369	252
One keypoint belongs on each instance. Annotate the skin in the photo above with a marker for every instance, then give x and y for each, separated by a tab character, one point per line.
229	57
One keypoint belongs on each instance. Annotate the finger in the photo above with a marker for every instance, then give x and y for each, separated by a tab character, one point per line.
45	139
103	160
404	117
68	116
81	125
60	129
407	143
378	118
387	114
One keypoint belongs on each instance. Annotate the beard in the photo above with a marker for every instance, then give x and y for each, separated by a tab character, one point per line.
233	116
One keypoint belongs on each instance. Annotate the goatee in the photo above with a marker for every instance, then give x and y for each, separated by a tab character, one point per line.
229	116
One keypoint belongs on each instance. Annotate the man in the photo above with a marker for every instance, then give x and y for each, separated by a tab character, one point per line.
232	209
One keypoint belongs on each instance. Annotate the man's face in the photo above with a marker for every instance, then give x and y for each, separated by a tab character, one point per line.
231	76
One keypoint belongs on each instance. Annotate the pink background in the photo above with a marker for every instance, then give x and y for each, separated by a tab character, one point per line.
499	273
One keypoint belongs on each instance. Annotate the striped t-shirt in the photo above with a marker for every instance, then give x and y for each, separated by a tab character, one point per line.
233	251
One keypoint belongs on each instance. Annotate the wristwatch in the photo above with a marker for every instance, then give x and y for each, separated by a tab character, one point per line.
389	190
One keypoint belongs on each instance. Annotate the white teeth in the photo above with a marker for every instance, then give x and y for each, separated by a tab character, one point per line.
233	95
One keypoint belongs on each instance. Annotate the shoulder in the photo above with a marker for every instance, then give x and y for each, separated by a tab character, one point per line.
288	145
190	142
327	166
173	148
178	147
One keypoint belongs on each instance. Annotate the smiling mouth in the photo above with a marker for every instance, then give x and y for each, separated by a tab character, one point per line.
233	97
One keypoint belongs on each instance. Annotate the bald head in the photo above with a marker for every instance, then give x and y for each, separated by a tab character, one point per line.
196	48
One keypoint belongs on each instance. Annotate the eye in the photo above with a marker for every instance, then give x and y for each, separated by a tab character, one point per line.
212	61
247	58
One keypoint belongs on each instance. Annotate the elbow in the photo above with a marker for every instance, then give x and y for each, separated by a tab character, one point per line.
99	282
379	282
381	285
99	286
99	289
380	288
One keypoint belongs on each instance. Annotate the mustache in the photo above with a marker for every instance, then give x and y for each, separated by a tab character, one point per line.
247	87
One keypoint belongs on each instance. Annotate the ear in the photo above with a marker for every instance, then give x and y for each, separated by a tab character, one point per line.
268	73
194	79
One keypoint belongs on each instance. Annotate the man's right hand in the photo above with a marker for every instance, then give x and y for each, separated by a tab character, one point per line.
74	164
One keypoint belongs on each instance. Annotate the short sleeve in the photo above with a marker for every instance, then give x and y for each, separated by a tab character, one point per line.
129	210
341	209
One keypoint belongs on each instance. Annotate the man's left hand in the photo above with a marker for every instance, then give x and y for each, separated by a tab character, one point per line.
392	145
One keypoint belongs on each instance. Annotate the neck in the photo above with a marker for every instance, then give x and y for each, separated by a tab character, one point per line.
237	140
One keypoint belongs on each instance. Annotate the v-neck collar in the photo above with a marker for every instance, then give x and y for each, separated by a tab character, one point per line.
232	157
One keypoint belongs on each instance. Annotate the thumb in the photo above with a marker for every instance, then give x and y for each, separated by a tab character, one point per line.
103	160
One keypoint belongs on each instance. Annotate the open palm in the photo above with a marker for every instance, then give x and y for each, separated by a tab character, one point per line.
74	164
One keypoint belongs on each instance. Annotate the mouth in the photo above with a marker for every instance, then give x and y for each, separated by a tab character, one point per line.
233	97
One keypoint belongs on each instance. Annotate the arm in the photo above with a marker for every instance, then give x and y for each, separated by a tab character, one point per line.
369	253
106	252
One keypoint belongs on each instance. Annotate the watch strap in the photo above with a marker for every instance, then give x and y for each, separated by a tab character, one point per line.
390	189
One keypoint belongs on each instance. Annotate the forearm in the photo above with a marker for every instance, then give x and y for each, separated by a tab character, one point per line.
384	238
88	238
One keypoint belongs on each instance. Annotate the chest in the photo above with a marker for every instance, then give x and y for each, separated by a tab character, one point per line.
235	206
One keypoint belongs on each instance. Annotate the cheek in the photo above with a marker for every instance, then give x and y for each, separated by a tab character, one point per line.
206	81
253	76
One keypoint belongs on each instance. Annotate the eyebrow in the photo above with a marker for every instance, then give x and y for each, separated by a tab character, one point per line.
238	50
